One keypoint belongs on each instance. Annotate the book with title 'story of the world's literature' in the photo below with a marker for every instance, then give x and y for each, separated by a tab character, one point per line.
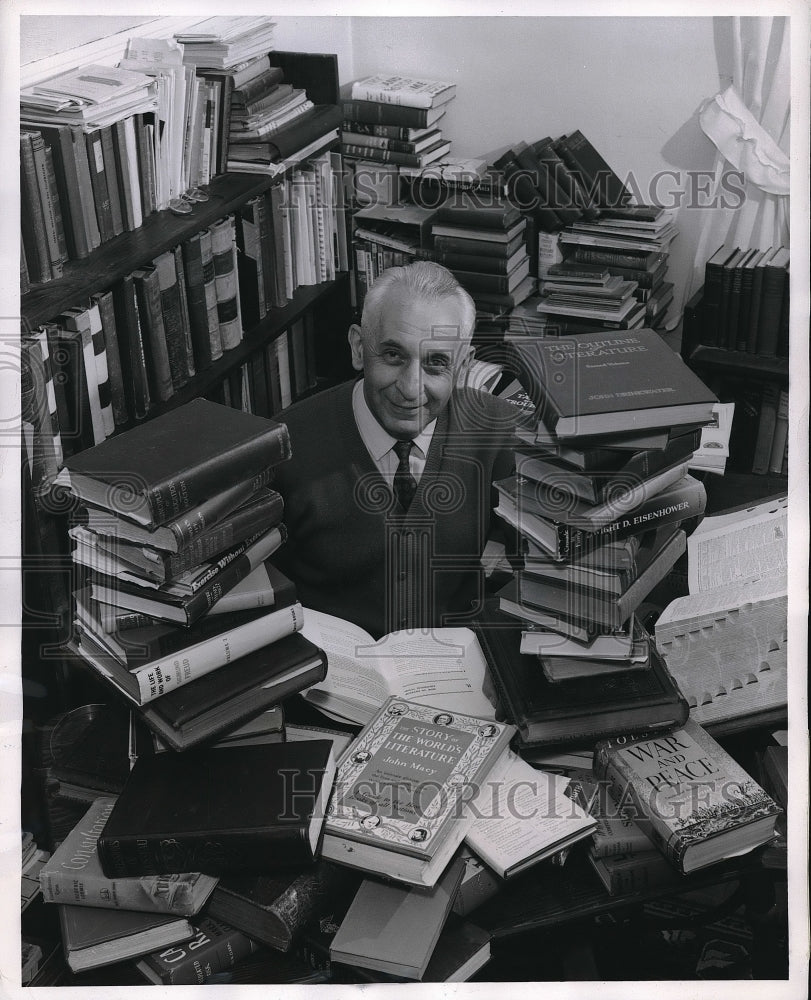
616	382
156	471
73	876
264	809
398	804
695	802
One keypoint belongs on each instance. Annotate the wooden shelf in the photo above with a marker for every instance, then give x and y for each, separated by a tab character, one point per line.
119	256
740	363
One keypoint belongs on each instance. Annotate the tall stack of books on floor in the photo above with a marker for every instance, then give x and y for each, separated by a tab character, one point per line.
171	548
600	501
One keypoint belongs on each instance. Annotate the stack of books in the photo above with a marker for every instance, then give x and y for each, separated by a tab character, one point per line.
631	244
483	242
600	497
393	120
173	538
225	42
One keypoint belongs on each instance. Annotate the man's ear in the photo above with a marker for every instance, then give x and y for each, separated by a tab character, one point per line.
463	361
356	346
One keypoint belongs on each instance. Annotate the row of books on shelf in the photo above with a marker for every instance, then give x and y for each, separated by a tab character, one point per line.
133	347
102	148
746	302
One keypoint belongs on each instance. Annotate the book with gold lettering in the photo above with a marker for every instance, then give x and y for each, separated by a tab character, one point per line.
399	803
693	800
73	875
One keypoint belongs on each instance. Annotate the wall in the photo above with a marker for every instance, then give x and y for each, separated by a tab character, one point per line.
632	85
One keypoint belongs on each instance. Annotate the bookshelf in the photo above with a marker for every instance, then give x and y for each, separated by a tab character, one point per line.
318	313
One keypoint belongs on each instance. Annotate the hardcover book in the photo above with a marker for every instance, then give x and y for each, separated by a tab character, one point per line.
693	800
73	876
92	937
616	383
273	909
213	949
581	711
407	91
158	470
220	701
157	825
397	807
393	928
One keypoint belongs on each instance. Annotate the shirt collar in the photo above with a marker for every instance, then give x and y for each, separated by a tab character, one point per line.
377	440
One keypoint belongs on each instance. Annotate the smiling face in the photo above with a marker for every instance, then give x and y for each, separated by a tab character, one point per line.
411	363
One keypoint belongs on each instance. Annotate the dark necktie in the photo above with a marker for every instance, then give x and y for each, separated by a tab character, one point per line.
405	485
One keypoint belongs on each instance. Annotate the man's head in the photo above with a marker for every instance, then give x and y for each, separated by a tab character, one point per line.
413	341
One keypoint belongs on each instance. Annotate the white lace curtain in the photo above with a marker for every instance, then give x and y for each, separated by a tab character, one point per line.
749	123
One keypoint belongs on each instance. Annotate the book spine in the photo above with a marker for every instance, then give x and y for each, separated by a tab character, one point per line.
622	790
133	358
130	151
41	450
169	673
225	123
589	255
210	289
108	155
231	852
471	262
277	202
171	498
767	421
753	316
122	167
226	534
780	434
400	98
375	113
60	142
49	199
600	180
258	87
223	247
172	318
33	220
104	303
42	355
382	131
607	844
564	188
198	307
265	227
774	280
639	873
101	194
745	309
102	370
212	510
214	949
189	368
548	197
249	265
86	204
146	165
147	290
152	894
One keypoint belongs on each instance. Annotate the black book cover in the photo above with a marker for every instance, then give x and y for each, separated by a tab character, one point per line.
579	711
241	809
181	457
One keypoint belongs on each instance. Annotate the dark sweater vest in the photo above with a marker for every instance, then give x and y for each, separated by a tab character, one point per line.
353	552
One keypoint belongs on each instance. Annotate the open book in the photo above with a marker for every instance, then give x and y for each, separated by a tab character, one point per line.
725	643
441	667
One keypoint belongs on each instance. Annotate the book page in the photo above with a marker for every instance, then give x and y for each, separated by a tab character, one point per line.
739	547
523	813
348	676
441	667
720	600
